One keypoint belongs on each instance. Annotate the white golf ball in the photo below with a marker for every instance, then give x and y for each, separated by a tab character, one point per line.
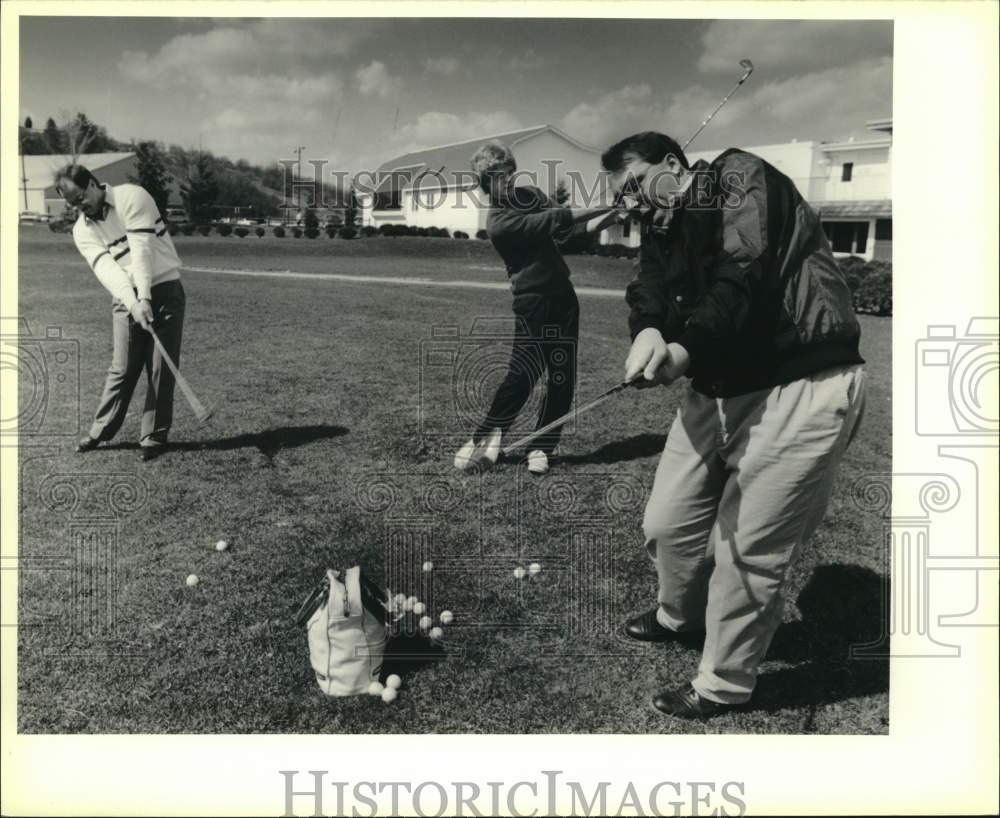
400	600
410	602
389	695
535	567
428	566
394	682
221	545
375	689
425	622
519	572
192	580
447	617
436	633
419	608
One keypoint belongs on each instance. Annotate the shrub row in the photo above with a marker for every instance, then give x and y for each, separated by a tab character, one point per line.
870	283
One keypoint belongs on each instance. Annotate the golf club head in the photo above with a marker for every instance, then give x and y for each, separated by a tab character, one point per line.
747	67
206	416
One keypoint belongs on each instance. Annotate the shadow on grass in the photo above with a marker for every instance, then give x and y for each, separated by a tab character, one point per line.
843	606
268	442
619	451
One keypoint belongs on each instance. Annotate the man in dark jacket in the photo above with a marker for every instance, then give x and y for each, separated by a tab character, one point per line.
737	290
524	226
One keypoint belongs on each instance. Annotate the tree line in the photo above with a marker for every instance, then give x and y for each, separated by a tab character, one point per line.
205	183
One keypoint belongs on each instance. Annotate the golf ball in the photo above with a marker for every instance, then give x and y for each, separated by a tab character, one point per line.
192	580
428	566
400	600
535	567
425	622
447	617
375	689
389	695
519	572
394	682
436	633
221	545
410	602
419	608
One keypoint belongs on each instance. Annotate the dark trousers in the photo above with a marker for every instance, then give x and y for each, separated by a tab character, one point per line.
135	351
545	340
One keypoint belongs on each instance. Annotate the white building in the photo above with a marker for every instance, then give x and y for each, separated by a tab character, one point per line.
849	184
436	188
38	195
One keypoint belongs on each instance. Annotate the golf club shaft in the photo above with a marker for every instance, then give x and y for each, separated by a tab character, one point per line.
548	427
747	71
199	409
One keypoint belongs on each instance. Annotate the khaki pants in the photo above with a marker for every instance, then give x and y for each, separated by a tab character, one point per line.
743	482
134	351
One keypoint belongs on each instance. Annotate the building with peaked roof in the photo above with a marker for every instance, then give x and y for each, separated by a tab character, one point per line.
38	195
36	192
435	187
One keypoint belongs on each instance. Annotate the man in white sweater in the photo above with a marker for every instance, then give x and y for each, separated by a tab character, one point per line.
123	238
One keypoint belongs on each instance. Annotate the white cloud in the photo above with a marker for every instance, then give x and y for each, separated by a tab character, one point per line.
792	45
374	80
439	128
445	66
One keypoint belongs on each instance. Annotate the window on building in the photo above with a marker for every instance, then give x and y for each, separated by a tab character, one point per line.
627	229
847	172
883	230
847	237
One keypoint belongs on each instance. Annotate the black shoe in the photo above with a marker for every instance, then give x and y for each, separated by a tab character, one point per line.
647	628
147	453
87	444
686	703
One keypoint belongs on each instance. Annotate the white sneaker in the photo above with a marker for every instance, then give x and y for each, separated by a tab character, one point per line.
484	453
538	462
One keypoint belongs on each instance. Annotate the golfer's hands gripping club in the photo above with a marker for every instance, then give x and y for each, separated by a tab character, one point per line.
142	314
654	362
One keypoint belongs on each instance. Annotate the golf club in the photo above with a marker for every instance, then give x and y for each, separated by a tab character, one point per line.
197	406
747	67
548	427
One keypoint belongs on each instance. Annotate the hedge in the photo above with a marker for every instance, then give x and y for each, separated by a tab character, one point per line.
260	231
368	231
204	229
297	232
460	234
347	232
331	231
279	232
312	232
870	283
187	228
482	234
224	229
242	232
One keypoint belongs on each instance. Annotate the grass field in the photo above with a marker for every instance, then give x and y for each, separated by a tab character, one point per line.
331	443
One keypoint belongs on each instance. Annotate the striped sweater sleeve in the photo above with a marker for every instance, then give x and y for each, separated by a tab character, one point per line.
142	221
115	280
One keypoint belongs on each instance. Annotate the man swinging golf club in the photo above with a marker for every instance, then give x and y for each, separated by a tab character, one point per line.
524	225
122	236
741	294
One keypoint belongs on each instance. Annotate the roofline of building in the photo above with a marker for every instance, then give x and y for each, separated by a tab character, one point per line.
873	144
530	131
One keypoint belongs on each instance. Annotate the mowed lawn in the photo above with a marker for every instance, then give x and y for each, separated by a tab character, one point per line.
338	414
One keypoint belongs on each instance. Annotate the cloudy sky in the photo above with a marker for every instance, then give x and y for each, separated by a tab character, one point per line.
256	89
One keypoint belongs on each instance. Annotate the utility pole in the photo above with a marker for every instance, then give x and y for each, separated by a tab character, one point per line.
298	173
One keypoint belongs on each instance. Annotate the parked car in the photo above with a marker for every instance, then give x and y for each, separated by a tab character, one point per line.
32	216
177	214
